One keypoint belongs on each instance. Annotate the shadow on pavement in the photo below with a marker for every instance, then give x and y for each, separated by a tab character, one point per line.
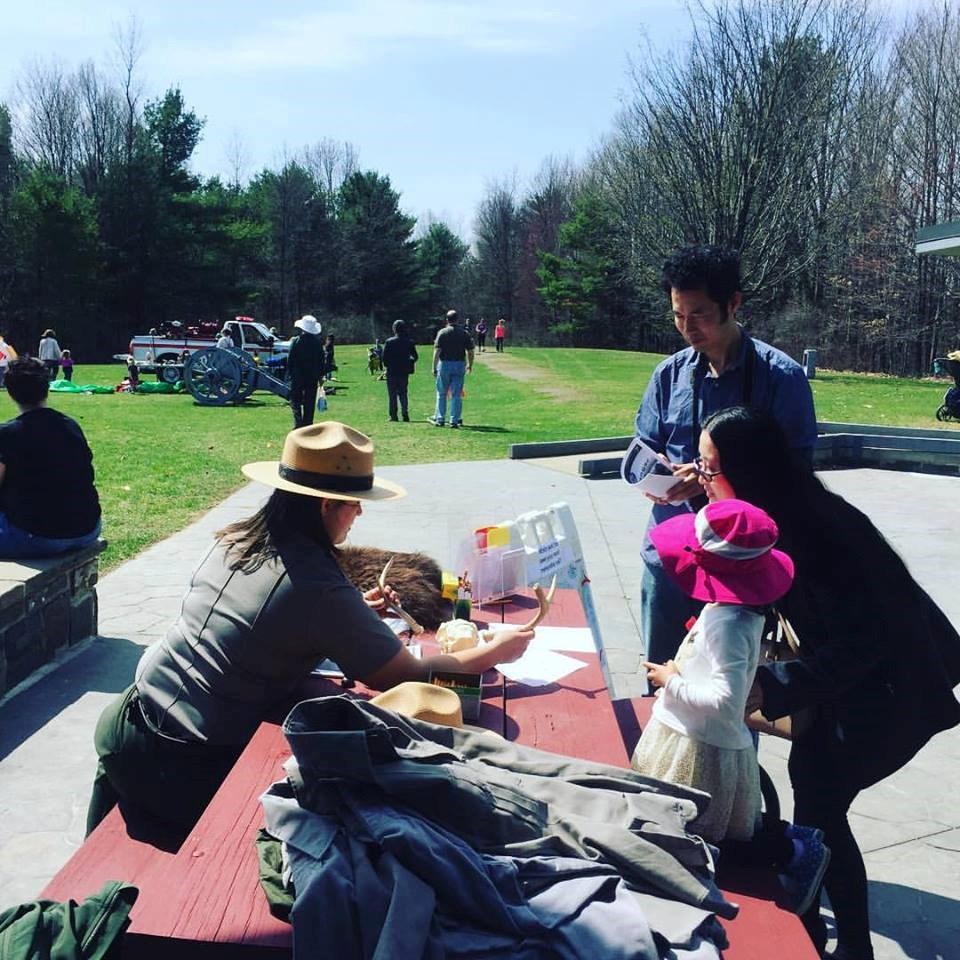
925	925
106	666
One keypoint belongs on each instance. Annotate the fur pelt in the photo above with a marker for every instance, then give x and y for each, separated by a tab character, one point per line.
416	577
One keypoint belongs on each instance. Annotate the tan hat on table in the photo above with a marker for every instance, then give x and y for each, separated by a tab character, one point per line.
422	701
329	460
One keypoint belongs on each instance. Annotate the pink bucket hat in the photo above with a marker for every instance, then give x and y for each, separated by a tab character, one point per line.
725	553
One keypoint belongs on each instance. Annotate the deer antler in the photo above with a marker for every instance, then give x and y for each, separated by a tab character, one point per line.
544	600
395	607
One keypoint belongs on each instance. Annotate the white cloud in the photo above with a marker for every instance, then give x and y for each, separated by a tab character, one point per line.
367	30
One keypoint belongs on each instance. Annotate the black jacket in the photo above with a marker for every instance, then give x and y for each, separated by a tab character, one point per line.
306	361
399	356
879	660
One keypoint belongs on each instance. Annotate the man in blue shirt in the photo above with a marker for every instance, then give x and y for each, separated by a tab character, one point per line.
723	366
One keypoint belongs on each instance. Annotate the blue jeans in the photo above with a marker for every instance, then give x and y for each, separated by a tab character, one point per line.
15	542
450	374
664	611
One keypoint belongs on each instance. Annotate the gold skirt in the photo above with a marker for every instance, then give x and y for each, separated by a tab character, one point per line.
731	777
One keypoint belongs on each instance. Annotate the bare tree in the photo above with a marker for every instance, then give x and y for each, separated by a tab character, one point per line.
238	158
331	162
128	50
48	117
100	130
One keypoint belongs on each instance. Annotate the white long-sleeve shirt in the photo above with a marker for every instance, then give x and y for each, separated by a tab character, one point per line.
706	702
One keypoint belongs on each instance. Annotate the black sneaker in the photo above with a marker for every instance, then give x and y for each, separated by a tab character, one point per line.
394	419
454	426
406	418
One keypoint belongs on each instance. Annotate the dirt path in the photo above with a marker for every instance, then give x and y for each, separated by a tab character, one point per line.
517	369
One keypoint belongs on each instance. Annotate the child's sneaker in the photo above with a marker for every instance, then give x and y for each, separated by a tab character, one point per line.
804	874
797	831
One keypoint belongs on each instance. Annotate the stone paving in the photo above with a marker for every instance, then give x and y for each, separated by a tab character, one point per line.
908	826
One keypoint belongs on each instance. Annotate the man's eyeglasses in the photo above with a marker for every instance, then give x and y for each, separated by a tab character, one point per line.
702	471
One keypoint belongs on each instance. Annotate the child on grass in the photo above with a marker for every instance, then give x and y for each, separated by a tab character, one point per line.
66	363
724	556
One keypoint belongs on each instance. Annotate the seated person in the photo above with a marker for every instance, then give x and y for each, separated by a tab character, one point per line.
48	502
268	602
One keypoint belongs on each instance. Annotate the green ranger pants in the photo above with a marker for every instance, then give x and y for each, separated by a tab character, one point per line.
150	773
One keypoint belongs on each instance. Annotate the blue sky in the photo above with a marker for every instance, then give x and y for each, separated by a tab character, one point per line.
442	96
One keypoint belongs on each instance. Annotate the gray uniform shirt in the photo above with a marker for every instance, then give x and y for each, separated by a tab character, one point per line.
244	640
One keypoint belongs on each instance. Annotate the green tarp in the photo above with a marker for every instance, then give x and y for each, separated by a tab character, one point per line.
68	386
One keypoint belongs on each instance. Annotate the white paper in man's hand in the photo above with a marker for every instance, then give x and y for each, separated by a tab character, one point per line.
642	468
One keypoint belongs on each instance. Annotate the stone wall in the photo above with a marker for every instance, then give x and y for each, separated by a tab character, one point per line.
46	605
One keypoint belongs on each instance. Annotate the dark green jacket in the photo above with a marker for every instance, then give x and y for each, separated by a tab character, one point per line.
47	930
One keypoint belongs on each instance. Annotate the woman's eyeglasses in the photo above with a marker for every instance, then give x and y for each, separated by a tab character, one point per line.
702	471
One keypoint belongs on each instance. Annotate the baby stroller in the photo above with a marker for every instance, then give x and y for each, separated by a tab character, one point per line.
949	365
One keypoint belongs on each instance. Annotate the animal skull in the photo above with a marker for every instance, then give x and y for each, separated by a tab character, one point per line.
455	635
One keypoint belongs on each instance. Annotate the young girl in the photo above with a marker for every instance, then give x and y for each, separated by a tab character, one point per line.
724	556
66	361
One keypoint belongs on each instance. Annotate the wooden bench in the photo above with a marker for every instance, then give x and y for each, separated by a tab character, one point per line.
205	901
46	605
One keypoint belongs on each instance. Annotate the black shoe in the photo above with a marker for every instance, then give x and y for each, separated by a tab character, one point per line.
454	426
394	419
406	418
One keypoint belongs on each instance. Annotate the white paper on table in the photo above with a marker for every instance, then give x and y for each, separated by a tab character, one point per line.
537	668
642	468
573	639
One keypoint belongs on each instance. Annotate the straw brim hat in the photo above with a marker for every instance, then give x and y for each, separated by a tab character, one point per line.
423	701
328	460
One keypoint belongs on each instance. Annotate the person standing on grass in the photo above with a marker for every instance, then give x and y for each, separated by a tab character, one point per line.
399	359
721	366
452	360
49	353
66	361
305	369
481	330
499	332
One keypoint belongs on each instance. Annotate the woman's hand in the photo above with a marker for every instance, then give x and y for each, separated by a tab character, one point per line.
660	673
376	601
512	644
686	487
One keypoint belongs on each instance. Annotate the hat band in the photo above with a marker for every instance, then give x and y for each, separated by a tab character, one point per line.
325	481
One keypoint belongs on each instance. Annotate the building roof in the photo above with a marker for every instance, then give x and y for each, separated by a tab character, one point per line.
940	238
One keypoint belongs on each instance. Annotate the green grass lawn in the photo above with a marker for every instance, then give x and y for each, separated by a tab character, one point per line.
162	460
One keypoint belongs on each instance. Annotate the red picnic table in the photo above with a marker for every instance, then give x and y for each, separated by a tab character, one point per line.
205	901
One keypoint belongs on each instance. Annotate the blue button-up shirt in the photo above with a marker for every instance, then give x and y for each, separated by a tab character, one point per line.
665	418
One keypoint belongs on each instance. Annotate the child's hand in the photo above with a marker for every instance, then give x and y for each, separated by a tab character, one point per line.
660	673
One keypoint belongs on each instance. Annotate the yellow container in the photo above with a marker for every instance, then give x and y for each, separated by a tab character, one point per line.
498	537
448	585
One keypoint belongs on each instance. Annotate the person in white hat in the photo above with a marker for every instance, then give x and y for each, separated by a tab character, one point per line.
305	368
268	602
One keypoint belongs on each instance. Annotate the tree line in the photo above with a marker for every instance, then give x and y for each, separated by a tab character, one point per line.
816	136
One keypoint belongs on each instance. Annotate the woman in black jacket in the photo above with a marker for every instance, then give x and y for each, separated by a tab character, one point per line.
878	659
